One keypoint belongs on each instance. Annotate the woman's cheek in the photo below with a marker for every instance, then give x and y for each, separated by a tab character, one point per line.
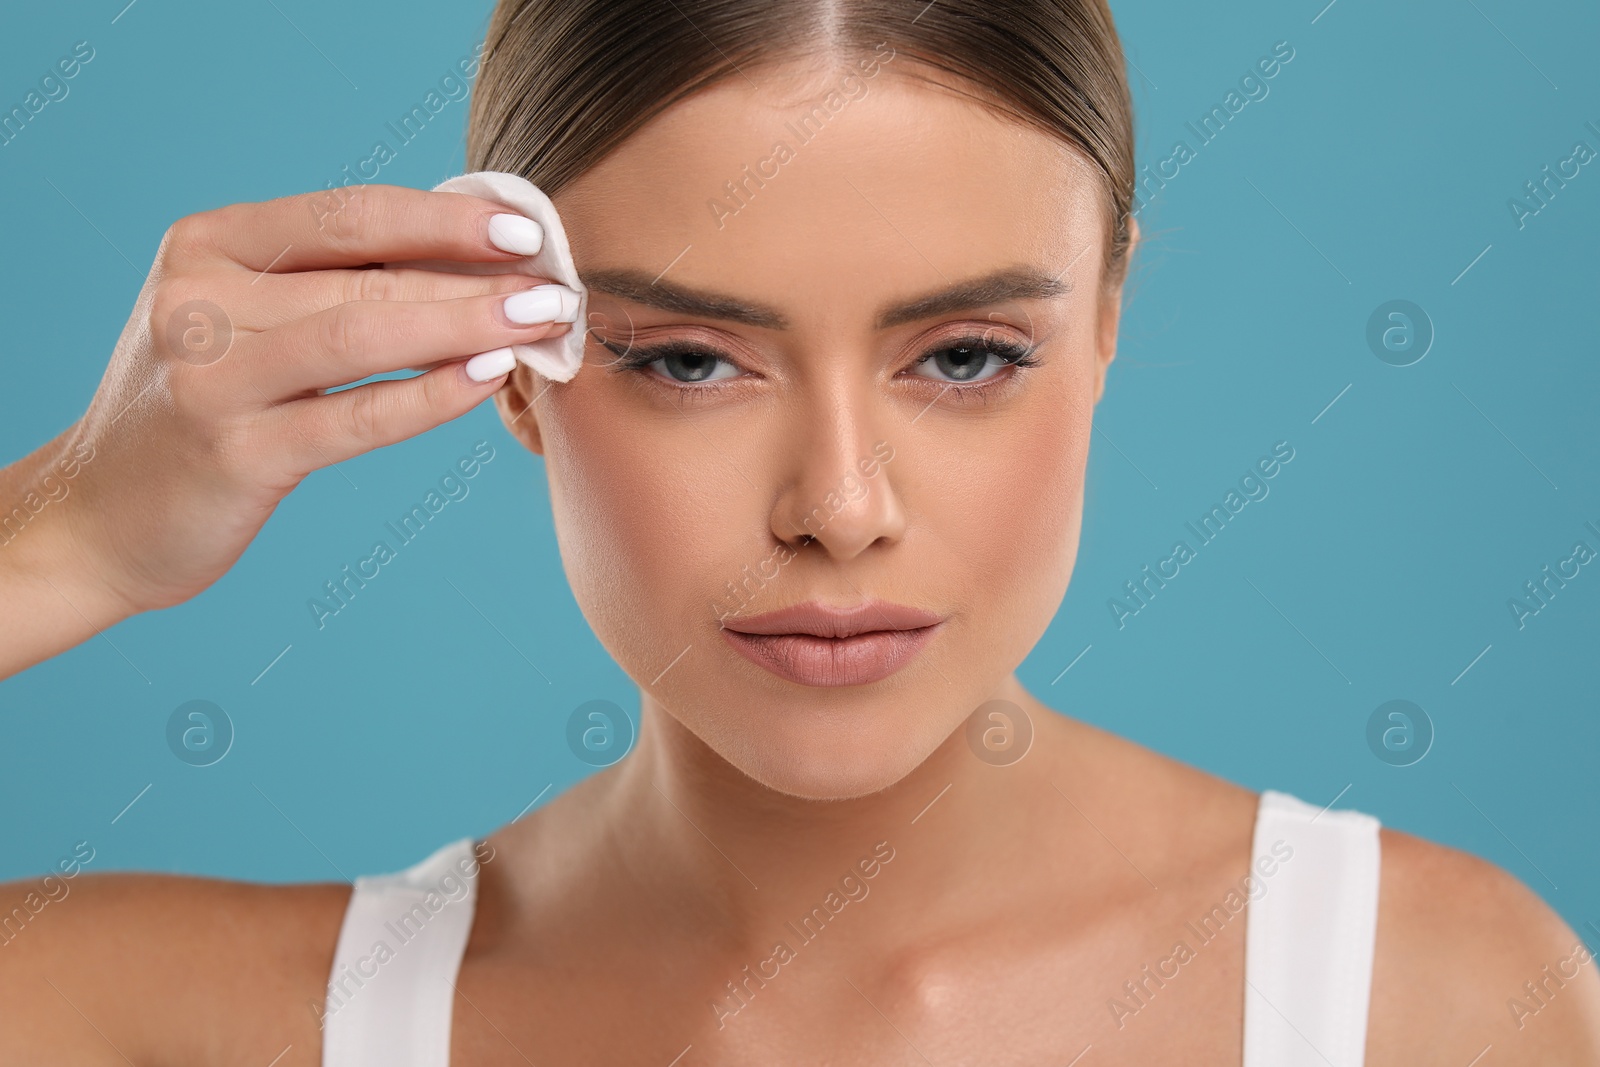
604	511
1038	488
640	518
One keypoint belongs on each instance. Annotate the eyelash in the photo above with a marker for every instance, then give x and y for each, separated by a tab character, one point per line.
1012	353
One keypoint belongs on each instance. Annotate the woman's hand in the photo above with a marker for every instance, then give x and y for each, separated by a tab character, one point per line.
213	409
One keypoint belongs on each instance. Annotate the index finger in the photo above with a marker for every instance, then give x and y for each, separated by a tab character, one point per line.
353	227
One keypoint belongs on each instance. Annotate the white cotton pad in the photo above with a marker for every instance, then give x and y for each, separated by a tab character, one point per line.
556	358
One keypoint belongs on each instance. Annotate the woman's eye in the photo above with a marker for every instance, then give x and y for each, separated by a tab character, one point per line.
688	365
966	360
970	360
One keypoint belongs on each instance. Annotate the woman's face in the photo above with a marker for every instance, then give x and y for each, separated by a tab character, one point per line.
831	428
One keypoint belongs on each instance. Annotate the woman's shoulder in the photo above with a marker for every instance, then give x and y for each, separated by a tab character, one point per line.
116	967
1465	954
1469	958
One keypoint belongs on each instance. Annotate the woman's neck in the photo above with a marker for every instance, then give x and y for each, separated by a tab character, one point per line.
716	842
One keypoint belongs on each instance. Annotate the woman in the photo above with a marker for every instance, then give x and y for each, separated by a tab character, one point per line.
854	275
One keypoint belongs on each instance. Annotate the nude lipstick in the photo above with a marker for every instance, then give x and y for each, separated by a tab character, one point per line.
819	645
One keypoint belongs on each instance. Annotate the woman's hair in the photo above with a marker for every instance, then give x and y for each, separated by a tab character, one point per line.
564	82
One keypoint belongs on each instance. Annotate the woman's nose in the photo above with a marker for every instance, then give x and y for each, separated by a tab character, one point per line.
839	490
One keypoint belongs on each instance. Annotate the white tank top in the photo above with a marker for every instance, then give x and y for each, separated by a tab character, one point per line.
1309	938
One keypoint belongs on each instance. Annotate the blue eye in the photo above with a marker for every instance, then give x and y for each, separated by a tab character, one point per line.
976	359
682	363
967	363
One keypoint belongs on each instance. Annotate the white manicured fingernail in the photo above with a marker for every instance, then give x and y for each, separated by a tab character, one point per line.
487	366
542	303
516	233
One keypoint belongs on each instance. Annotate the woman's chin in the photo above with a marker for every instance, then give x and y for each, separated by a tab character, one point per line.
841	783
832	767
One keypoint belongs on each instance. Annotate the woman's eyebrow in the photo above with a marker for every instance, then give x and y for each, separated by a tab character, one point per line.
997	287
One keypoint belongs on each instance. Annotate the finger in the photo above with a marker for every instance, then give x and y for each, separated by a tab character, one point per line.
323	430
556	331
365	337
272	300
350	227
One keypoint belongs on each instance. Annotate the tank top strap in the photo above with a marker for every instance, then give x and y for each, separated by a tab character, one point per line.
392	987
1310	936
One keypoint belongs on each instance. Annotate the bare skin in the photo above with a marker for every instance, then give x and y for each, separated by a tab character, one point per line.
1018	898
185	451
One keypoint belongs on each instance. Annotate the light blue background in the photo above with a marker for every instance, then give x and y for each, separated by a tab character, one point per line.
1378	167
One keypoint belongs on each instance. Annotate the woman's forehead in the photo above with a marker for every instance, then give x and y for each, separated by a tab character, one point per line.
900	190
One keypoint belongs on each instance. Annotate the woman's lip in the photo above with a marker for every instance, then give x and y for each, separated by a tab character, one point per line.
823	620
806	659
